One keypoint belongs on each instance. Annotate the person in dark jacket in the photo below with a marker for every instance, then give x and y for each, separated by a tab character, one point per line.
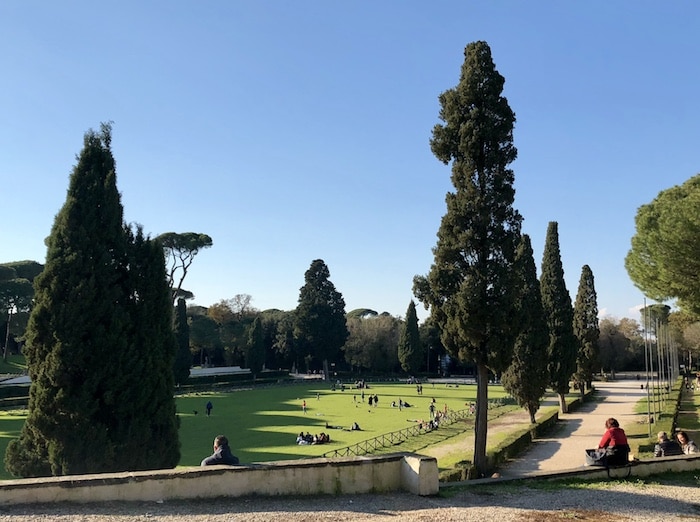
222	454
666	447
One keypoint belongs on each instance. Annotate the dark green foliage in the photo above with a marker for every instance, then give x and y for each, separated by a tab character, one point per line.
586	329
24	269
16	295
470	288
145	408
183	357
255	348
560	316
16	300
205	339
361	313
654	315
373	343
430	339
320	315
664	261
526	378
410	351
99	341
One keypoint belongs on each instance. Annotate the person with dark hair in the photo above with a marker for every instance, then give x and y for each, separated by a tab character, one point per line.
666	447
687	445
222	454
614	442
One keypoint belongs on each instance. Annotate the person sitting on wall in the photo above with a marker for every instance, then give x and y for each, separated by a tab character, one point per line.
687	445
666	447
222	454
614	442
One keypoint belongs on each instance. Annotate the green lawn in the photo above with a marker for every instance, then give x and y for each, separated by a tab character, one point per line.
262	424
15	364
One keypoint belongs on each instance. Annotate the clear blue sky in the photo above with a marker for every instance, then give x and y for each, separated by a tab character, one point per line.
293	131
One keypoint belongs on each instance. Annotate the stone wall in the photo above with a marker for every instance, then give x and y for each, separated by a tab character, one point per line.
381	474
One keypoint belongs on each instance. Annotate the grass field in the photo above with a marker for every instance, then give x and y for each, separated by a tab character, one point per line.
262	423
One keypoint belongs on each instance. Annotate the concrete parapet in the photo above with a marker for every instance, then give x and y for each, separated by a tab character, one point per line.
348	475
636	468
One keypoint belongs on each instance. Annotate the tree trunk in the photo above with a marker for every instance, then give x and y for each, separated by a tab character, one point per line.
326	373
563	407
481	420
7	335
532	415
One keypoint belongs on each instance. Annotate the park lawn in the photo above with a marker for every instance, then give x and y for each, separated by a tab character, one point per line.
262	424
11	422
14	365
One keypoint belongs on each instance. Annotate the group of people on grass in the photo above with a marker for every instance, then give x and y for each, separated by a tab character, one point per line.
307	438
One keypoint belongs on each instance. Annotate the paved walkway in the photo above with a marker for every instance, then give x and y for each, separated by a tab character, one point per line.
581	429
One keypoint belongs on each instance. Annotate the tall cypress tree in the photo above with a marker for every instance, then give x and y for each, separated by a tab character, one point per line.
586	329
409	349
183	356
146	408
470	288
320	315
526	378
96	343
560	317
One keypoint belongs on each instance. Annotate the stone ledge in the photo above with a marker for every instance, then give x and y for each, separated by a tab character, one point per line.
636	468
409	472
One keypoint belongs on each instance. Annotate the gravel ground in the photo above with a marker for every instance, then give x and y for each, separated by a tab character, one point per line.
617	502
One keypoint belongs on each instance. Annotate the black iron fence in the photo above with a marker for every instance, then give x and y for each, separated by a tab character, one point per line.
397	437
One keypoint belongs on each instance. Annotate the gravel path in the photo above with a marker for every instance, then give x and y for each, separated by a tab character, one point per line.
579	429
617	502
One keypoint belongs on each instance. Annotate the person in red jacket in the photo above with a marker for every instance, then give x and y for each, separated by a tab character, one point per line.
614	441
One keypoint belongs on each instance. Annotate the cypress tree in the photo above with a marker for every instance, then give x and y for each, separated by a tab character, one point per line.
560	316
320	315
146	436
183	356
409	350
470	288
526	378
100	399
586	329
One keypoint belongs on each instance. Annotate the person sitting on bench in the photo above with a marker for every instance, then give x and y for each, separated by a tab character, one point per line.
614	441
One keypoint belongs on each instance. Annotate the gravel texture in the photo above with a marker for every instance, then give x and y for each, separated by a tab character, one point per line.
615	501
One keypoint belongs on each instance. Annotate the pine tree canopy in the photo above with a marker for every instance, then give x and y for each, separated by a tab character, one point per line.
664	261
